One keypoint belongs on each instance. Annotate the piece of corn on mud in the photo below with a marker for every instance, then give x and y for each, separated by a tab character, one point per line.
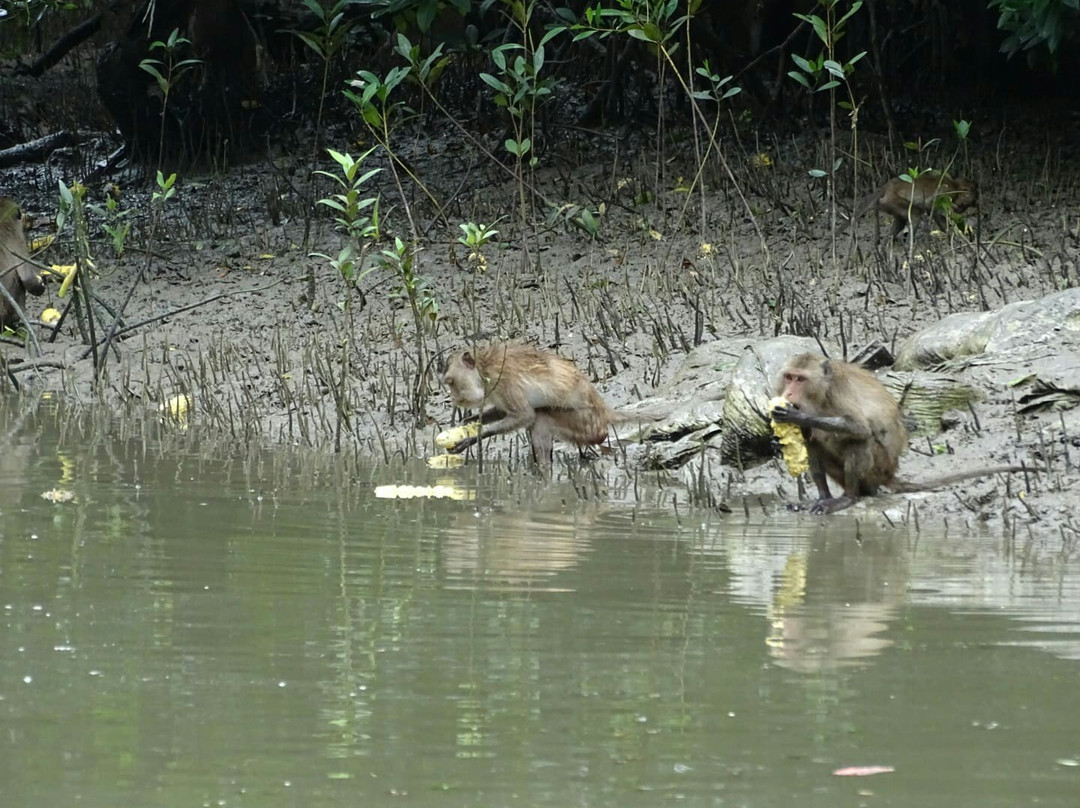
792	445
449	438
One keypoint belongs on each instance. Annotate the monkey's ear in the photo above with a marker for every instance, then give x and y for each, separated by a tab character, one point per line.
467	358
826	367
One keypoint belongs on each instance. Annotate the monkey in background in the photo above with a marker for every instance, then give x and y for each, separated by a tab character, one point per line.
854	430
17	274
899	198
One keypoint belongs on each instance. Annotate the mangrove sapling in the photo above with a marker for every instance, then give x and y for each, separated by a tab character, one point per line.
173	69
637	19
358	220
825	74
113	220
424	305
381	115
475	238
371	95
166	189
426	72
72	206
327	41
519	89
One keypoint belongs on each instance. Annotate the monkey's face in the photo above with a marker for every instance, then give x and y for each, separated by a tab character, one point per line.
462	380
793	387
802	382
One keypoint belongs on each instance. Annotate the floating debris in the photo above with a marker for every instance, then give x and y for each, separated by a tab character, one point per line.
423	491
58	495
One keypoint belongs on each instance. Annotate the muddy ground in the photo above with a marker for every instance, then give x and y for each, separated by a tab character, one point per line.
668	266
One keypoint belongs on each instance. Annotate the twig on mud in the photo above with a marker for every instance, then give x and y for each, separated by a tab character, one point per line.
181	310
35	364
10	370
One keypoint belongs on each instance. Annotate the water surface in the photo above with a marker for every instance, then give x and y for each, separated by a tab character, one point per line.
202	625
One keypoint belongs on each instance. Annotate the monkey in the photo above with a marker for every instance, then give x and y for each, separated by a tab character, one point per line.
899	198
527	388
854	429
17	274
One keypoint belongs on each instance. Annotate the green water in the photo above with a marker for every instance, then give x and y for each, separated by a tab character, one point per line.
207	627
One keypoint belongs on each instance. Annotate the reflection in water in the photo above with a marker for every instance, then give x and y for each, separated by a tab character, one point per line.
213	624
15	449
827	600
832	603
520	547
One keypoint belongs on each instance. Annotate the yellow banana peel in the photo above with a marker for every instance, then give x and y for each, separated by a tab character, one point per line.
792	445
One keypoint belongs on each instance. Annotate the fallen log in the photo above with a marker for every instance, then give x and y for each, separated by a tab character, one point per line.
38	149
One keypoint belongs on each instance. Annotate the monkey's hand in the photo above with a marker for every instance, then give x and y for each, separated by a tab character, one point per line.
789	433
460	446
782	412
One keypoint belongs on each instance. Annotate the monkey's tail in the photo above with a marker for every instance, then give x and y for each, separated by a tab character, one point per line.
911	486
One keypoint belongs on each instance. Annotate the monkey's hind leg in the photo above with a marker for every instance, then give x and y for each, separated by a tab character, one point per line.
541	435
857	464
820	469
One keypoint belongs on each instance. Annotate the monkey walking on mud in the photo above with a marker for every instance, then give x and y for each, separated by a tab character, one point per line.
907	202
854	430
17	274
526	388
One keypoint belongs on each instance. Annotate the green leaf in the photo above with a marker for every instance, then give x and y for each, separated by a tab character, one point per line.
495	83
854	8
425	15
834	68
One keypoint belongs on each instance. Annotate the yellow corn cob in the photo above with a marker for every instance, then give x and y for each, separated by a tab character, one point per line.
449	438
792	445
